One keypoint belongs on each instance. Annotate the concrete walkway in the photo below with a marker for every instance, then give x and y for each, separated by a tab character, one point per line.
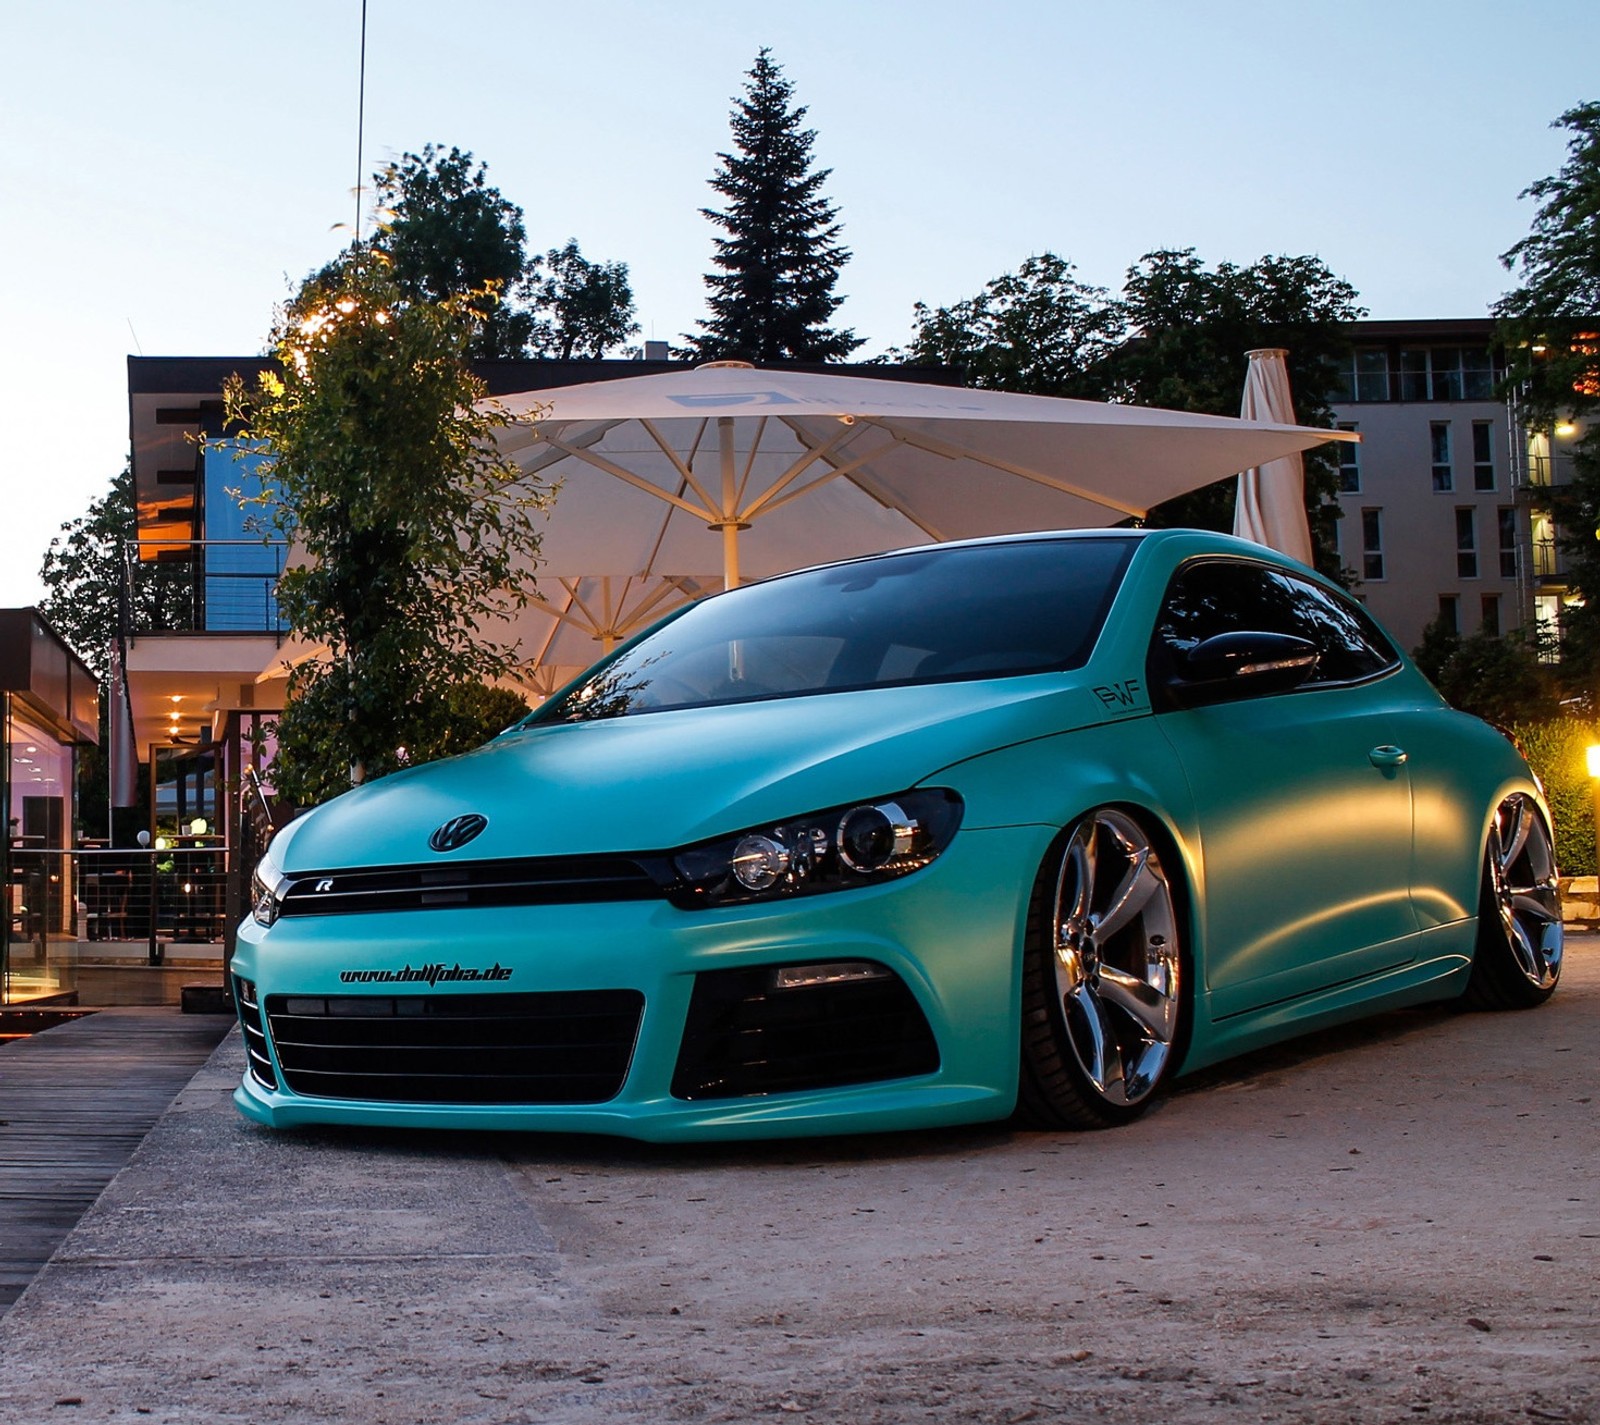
1397	1221
75	1101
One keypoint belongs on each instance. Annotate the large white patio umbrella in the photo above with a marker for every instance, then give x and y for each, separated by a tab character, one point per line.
754	472
1271	504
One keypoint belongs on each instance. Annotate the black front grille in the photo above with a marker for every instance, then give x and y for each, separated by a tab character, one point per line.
549	1048
745	1036
546	880
255	1037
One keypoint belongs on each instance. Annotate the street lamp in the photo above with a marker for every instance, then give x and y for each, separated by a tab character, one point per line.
1591	755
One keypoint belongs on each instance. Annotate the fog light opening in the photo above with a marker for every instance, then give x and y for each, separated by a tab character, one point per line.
833	972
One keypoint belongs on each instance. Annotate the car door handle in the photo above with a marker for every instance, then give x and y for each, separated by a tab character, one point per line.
1387	757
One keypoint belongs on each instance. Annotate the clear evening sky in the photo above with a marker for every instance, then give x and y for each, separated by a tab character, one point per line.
174	166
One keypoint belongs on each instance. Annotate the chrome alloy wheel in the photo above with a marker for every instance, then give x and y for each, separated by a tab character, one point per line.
1116	960
1521	866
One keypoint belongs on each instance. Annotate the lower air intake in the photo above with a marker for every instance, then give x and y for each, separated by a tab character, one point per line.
554	1048
255	1037
750	1033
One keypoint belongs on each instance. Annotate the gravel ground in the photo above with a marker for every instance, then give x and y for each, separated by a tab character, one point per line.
1391	1222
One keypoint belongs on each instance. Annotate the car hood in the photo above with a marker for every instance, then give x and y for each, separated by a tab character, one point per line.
661	780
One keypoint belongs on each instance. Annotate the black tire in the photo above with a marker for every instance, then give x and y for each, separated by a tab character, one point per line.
1103	978
1516	963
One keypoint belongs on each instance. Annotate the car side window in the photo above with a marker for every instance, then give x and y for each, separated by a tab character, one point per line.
1215	596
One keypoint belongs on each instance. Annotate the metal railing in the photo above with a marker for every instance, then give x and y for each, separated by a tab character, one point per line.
91	904
215	585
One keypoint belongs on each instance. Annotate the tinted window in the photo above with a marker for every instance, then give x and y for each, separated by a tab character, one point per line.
936	615
1220	596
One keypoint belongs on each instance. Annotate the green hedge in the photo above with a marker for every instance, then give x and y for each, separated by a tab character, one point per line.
1556	752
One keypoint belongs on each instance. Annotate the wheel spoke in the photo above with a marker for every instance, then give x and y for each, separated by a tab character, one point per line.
1131	896
1115	960
1529	905
1081	854
1520	930
1155	1012
1511	848
1529	956
1095	1044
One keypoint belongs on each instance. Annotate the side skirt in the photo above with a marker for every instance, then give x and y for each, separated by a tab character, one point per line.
1438	971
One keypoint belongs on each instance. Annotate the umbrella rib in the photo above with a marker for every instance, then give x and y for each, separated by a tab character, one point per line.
769	499
550	636
935	446
594	625
868	485
749	467
647	606
627	476
683	469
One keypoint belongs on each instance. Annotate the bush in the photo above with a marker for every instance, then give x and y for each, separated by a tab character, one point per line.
1555	749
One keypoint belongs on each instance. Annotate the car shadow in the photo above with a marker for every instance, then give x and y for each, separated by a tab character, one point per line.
596	1152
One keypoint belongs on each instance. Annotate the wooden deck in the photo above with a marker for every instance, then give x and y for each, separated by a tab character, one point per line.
75	1101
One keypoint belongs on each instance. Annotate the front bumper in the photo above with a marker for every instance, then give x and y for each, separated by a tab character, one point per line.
951	933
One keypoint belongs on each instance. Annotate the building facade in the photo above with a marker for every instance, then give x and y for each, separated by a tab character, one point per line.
1435	517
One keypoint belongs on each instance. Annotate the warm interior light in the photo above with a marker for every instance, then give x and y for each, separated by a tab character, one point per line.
1566	428
1591	755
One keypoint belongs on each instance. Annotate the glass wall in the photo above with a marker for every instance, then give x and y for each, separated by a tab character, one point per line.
39	956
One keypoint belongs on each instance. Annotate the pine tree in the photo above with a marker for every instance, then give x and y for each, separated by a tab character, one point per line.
781	256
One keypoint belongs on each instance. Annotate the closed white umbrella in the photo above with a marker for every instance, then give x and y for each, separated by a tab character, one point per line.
756	472
1271	504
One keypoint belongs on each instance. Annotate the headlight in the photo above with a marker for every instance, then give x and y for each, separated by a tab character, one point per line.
834	850
267	885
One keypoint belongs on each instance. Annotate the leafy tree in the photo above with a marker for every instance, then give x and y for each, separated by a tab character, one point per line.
1439	643
781	255
449	234
587	306
83	574
1555	749
1499	679
1037	330
88	570
1177	336
476	712
1192	328
385	471
1550	326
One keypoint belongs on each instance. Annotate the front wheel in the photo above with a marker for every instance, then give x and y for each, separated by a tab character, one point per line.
1517	961
1102	989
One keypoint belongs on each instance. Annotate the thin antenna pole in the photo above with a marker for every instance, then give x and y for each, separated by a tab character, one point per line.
361	118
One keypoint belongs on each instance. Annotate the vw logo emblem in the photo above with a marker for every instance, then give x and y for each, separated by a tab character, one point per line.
457	831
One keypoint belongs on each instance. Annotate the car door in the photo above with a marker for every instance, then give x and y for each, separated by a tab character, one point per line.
1302	799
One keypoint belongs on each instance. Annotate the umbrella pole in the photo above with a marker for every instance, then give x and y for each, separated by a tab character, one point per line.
730	523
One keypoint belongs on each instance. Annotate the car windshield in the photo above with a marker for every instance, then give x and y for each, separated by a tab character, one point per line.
928	616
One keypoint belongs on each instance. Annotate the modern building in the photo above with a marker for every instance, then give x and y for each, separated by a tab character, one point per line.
1444	508
51	707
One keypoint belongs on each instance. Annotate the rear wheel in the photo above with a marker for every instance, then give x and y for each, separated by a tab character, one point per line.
1102	991
1517	961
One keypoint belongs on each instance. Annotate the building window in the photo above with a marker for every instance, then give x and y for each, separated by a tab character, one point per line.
1449	618
1542	536
1483	455
1444	477
1466	544
1446	373
1490	622
1508	542
1349	463
1547	626
1372	544
1362	376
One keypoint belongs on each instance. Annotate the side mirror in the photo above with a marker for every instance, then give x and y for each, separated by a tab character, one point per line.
1241	665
